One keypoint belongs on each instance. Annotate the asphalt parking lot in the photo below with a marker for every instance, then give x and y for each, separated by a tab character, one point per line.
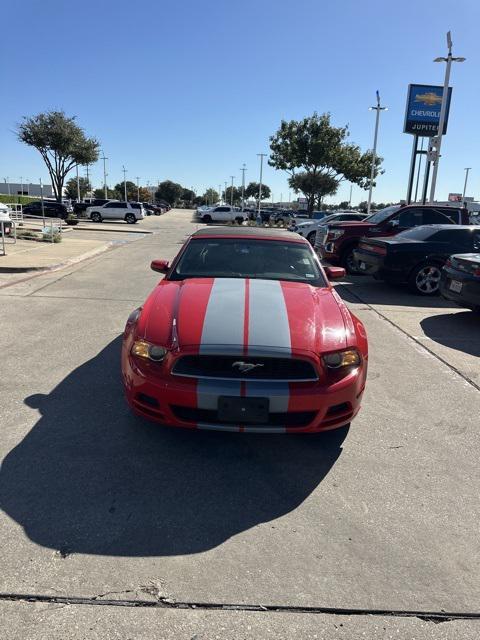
99	507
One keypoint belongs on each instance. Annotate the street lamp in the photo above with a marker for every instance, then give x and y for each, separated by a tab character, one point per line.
261	155
243	169
467	171
437	140
220	192
231	192
124	182
378	109
225	193
104	176
138	188
78	186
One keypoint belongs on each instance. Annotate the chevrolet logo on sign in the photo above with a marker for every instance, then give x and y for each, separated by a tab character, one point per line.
423	109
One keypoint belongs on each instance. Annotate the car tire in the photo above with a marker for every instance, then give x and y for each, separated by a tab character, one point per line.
130	218
206	218
95	217
348	261
311	237
157	213
424	279
239	220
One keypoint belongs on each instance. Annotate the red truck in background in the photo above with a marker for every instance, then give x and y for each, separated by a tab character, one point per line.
342	238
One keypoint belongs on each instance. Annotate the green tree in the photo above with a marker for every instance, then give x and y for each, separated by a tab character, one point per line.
344	205
211	196
252	190
71	188
131	190
169	191
237	195
313	145
188	196
100	193
61	142
313	186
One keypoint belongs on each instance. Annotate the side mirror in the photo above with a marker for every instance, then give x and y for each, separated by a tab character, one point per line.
391	224
162	266
335	273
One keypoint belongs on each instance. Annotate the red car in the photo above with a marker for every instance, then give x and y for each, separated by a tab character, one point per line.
245	333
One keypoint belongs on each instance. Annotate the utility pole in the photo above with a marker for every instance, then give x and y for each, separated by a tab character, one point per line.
220	192
378	109
138	188
7	182
124	182
434	155
350	198
105	176
78	186
225	193
41	200
231	192
88	176
21	185
467	171
261	155
243	169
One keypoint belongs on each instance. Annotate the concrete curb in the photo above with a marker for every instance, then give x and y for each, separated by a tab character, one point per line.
59	265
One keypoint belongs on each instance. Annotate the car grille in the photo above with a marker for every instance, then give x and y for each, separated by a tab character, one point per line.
288	419
225	367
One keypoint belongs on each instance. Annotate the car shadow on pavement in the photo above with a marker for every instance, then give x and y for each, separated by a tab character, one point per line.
460	331
92	478
355	289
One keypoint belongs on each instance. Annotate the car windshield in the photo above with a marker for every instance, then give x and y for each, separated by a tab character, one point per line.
245	258
383	214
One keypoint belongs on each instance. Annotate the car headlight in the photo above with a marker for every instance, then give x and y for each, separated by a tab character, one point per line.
144	349
341	359
333	235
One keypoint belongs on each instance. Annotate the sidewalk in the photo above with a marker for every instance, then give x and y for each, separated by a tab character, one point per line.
28	255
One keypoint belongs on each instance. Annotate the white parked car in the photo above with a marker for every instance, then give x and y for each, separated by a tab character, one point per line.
128	211
224	213
308	228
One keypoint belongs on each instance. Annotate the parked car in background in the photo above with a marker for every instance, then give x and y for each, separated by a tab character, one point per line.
81	207
460	280
308	228
224	213
51	209
5	220
154	209
343	237
131	212
416	256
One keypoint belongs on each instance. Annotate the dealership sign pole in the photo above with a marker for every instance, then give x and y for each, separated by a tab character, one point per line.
437	140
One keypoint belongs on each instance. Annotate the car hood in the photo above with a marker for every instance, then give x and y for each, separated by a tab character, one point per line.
244	315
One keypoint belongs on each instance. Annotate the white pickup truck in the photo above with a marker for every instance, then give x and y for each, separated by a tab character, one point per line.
224	213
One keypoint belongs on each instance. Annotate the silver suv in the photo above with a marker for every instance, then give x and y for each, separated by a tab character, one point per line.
128	211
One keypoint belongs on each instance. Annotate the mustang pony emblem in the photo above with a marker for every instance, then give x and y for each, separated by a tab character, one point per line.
245	367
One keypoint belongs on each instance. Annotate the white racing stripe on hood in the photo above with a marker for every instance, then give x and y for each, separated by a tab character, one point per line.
224	318
268	319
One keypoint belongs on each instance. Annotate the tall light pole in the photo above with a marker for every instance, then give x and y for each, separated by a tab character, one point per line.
21	185
225	193
78	186
378	109
261	155
41	200
437	140
243	169
467	171
220	192
7	182
88	176
105	176
231	192
138	187
350	198
124	182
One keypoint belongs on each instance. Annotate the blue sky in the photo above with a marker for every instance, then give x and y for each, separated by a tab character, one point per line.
191	90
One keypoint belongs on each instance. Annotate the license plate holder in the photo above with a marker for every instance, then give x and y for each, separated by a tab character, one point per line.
241	410
456	286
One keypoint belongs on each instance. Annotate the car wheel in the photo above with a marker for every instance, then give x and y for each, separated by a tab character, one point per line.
311	237
239	220
157	213
349	262
130	218
206	218
425	279
95	217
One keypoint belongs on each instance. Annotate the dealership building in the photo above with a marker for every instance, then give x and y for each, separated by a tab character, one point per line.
25	189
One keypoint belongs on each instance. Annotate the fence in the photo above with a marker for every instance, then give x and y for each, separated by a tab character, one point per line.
50	227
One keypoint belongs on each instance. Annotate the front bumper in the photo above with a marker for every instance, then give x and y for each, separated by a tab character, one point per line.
293	407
